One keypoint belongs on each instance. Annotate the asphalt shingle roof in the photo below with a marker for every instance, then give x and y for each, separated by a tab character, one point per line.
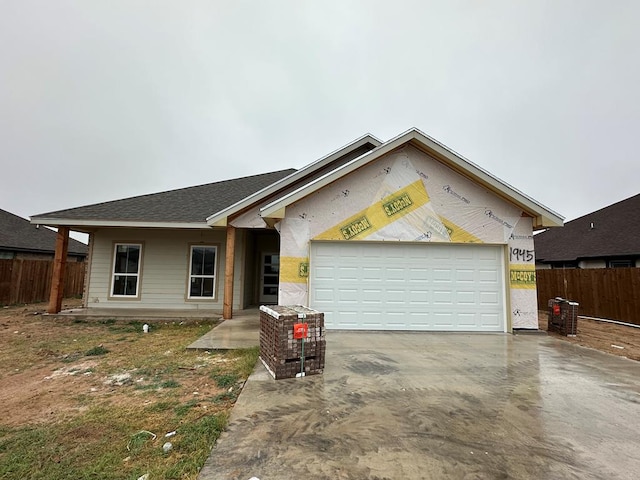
191	204
615	232
17	234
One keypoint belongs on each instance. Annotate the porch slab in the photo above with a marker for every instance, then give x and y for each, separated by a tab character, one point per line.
142	314
242	331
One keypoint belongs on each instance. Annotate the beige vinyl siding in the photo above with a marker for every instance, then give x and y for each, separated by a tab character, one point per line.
164	268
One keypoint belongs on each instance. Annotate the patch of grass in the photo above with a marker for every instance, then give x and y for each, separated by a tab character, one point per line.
108	321
197	437
146	386
96	351
88	437
224	380
182	410
246	359
224	397
161	407
170	384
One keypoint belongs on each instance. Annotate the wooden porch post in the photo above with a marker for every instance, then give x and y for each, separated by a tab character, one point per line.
230	250
59	264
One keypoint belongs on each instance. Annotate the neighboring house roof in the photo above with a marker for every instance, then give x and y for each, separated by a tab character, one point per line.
613	231
18	235
542	216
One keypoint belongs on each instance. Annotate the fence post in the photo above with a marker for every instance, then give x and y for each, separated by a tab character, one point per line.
16	280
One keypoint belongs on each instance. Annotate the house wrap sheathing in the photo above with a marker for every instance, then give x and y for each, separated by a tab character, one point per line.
408	196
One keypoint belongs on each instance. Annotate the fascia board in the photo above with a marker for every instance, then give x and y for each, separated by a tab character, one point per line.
222	215
543	215
69	222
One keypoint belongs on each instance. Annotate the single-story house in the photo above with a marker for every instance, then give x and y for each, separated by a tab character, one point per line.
398	235
21	240
606	238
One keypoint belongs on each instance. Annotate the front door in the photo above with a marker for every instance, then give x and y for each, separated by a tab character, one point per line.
269	275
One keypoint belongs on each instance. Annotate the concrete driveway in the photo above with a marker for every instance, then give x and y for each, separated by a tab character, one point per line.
425	405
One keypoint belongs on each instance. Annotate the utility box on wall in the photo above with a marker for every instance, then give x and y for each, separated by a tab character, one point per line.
292	340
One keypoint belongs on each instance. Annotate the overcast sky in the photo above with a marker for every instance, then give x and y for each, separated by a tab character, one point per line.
103	100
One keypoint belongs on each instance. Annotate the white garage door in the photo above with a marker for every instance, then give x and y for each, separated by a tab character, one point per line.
400	286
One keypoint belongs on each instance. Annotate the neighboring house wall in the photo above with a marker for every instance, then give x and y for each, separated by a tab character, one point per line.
35	256
440	206
165	268
592	264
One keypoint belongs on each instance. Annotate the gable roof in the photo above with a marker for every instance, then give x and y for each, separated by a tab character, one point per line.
181	208
202	206
308	173
18	235
212	204
608	232
542	216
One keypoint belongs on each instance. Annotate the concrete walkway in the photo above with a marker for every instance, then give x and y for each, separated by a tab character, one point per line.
430	406
242	331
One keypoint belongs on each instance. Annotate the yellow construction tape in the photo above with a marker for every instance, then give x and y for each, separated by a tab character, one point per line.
379	215
458	234
522	276
294	269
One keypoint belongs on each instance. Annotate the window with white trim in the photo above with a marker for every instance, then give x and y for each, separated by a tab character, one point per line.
126	270
202	274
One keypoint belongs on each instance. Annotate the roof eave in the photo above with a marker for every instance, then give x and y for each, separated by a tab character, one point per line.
220	218
89	224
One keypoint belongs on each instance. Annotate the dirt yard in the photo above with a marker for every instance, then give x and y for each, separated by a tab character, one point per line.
606	337
73	394
55	379
46	372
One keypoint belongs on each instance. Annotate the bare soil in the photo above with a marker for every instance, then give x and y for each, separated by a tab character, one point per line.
47	376
617	340
53	374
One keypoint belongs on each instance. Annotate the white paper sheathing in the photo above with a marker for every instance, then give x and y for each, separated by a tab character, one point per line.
408	196
249	219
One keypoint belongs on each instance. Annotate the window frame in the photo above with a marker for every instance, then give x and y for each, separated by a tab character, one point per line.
138	275
190	275
621	263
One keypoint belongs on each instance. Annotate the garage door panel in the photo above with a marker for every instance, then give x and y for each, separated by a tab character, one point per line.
465	275
467	320
488	276
419	297
440	287
442	297
466	297
324	295
488	298
371	274
490	320
443	320
371	296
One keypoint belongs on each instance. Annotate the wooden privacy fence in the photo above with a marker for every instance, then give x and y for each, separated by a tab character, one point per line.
29	281
612	293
